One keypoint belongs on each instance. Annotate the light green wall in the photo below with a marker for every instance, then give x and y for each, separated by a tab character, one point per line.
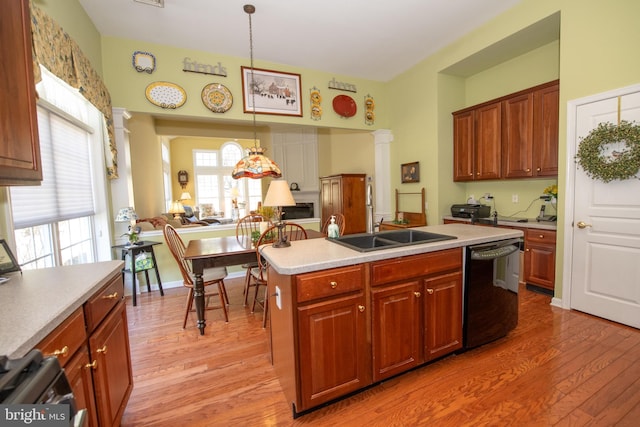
75	22
346	151
127	86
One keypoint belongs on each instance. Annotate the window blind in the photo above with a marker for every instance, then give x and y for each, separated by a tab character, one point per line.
66	191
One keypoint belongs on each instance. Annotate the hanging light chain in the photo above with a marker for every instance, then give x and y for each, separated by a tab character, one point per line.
250	9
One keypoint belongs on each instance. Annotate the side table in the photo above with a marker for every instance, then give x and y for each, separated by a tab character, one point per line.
133	251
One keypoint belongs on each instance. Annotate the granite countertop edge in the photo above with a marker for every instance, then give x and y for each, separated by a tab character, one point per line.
34	303
304	256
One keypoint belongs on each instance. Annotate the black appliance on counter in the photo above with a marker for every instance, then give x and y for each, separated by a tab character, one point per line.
491	279
34	379
470	211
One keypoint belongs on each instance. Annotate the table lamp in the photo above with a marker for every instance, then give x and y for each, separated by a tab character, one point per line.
176	209
279	195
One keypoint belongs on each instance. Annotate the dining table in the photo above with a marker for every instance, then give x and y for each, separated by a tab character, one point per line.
220	252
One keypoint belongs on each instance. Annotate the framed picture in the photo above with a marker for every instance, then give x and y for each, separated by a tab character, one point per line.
8	262
410	172
274	92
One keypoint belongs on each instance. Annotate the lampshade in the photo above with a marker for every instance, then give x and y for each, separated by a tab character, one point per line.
255	164
176	208
185	196
279	194
126	215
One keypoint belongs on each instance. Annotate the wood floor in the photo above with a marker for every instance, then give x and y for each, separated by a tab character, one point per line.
558	367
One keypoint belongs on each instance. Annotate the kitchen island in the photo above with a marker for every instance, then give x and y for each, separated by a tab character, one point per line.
342	320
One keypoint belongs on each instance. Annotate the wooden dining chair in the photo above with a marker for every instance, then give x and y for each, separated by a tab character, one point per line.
340	220
211	276
244	230
259	274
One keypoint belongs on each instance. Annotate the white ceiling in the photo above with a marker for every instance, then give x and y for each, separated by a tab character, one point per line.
371	39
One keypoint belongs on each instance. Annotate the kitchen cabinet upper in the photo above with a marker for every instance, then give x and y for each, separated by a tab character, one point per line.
19	143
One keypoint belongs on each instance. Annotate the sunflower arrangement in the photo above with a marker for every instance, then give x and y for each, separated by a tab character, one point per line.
552	191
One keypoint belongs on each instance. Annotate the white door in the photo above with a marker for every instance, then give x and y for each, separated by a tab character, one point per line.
605	267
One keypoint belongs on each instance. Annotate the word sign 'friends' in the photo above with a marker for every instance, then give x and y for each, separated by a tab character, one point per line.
195	67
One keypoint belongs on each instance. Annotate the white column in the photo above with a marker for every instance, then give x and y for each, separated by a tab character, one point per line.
382	181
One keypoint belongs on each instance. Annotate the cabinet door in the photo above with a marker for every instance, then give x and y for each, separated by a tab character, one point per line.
517	134
545	149
333	354
19	143
463	146
442	315
113	380
488	144
540	262
396	328
78	373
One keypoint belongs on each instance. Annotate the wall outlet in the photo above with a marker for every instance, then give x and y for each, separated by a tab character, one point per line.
514	198
278	299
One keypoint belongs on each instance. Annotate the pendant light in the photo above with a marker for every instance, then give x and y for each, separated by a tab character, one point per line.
255	164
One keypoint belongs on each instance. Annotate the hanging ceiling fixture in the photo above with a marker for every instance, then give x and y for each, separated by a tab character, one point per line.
255	165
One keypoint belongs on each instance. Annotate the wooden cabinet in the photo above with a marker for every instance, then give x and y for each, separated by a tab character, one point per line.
477	140
345	194
332	333
19	143
417	310
540	258
443	314
545	130
515	136
92	346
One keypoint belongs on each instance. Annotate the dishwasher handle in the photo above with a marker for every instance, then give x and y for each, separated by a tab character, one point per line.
493	253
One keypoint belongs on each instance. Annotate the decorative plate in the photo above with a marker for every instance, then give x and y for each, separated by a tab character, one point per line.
344	105
166	95
143	61
217	97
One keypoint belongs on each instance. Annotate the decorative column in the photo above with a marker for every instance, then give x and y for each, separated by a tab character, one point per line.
382	182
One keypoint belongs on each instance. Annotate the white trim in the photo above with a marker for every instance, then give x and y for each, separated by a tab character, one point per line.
572	108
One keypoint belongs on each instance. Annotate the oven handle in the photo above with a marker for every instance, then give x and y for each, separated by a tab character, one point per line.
493	253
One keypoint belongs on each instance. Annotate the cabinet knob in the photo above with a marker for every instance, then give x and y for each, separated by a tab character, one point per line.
526	250
538	169
93	365
528	170
64	352
333	285
361	308
417	294
430	291
112	296
102	350
541	236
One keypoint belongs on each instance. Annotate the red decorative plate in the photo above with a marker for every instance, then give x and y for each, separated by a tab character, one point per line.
344	105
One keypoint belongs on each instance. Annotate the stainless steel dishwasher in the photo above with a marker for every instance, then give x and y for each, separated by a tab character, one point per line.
490	291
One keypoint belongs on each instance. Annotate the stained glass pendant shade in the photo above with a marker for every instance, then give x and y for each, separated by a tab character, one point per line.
255	164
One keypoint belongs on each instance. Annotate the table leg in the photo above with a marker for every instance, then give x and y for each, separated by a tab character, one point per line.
198	294
155	266
133	276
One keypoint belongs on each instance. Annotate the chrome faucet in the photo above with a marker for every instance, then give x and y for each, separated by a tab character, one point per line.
370	220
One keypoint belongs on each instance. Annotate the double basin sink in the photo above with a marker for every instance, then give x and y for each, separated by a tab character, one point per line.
366	242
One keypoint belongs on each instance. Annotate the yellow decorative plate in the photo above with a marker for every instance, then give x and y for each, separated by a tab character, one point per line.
166	95
217	97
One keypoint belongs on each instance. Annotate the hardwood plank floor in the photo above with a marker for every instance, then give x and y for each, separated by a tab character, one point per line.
557	368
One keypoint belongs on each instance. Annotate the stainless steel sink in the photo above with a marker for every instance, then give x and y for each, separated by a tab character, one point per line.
365	242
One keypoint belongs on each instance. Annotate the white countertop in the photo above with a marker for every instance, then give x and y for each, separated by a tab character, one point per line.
34	303
319	254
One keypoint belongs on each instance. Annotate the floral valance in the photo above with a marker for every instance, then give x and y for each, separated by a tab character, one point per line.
60	54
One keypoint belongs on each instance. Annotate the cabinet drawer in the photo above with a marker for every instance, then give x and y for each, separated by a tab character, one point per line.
415	266
328	283
66	339
103	301
541	236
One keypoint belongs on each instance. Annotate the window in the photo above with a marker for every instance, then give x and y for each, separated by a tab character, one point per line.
214	185
55	223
